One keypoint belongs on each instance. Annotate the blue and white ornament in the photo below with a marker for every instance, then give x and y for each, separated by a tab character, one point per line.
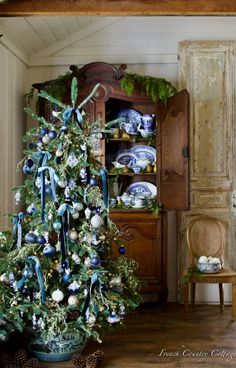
30	238
72	160
49	250
31	209
56	225
17	197
27	272
75	215
122	311
113	318
74	287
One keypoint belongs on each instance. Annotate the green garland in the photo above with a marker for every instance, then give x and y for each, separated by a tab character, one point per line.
157	88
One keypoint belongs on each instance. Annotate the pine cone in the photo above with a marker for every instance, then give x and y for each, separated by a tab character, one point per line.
93	360
79	361
20	357
5	360
31	363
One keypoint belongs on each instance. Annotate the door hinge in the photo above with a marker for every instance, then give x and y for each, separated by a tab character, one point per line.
185	152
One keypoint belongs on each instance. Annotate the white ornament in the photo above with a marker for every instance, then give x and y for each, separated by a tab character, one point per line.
116	280
75	258
78	206
17	197
59	153
75	215
72	160
97	221
72	234
67	192
58	246
87	262
87	213
38	182
91	319
57	295
73	300
113	318
62	183
46	139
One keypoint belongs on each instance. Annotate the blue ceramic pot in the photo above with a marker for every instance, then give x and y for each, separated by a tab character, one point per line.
57	347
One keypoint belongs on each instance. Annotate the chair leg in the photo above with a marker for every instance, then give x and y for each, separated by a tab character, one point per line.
192	291
186	299
233	302
221	293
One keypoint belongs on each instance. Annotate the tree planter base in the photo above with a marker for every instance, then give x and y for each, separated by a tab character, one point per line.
57	347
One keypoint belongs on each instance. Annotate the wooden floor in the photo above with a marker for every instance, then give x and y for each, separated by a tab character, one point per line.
153	339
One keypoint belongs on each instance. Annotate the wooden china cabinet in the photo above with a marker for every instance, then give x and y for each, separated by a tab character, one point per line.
144	234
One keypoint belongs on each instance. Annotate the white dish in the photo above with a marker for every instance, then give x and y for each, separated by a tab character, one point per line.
144	152
142	187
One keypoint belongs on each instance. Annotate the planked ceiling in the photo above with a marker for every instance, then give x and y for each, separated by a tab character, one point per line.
64	40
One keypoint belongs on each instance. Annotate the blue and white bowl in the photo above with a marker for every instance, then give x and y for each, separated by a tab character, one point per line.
208	267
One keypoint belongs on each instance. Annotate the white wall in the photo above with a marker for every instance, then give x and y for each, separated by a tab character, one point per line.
12	127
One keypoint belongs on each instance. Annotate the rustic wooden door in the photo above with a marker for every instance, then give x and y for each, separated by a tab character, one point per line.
207	71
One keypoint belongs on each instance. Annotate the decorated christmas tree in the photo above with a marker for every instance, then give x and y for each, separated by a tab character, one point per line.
57	274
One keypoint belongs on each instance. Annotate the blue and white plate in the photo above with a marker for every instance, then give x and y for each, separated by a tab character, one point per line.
130	116
144	152
126	157
142	187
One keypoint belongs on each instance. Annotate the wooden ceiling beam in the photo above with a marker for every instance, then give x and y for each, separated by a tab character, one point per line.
117	7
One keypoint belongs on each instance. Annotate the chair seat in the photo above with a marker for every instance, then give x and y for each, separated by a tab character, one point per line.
225	275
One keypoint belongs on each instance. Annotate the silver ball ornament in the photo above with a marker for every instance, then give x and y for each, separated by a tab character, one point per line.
78	206
75	215
57	295
59	153
97	221
46	139
62	183
73	300
72	234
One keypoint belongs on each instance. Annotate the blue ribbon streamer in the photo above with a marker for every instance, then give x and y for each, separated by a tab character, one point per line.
53	179
39	277
64	212
93	283
44	156
17	228
105	193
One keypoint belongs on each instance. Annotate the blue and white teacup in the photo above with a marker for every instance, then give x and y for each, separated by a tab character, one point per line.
130	128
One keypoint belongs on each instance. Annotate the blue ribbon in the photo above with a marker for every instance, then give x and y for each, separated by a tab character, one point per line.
17	228
39	276
93	282
105	193
53	179
72	111
44	156
64	212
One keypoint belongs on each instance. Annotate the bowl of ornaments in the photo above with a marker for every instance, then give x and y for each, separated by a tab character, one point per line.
208	264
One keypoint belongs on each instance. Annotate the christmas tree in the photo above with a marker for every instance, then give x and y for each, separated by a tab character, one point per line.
56	269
